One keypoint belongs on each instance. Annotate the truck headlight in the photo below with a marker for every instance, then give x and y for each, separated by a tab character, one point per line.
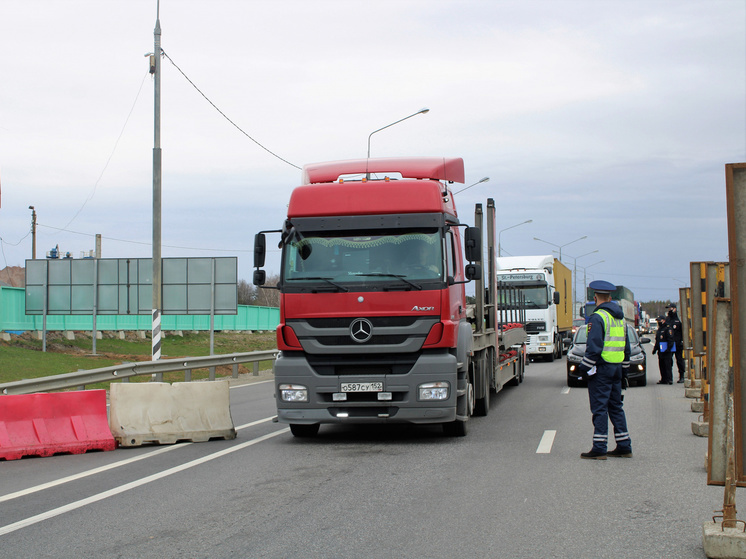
433	391
543	338
293	393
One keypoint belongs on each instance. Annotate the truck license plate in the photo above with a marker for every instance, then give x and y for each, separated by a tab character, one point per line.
362	387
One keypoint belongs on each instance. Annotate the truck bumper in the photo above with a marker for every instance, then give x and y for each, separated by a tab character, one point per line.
541	350
366	407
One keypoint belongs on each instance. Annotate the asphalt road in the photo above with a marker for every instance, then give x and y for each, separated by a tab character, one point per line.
514	487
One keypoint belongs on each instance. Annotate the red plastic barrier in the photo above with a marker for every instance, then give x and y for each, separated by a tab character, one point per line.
47	424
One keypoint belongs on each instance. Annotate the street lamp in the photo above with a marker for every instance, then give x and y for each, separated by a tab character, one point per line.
420	112
575	273
585	281
560	247
480	181
499	246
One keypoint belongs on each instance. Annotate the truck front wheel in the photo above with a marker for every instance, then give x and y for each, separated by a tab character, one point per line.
464	410
304	431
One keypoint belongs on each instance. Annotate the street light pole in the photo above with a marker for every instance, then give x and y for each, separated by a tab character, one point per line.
575	274
499	246
560	247
420	112
480	181
585	281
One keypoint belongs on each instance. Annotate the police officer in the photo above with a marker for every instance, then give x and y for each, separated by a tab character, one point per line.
605	364
665	348
678	336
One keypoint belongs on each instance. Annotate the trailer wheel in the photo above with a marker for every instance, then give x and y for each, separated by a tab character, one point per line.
304	431
482	405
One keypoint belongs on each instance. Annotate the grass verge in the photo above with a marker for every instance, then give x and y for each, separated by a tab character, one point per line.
22	357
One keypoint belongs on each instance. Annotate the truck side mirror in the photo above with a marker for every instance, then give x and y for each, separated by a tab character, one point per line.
260	250
473	244
260	276
556	298
473	272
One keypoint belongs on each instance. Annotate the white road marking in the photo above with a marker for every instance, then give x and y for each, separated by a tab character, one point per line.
547	440
566	390
252	383
94	471
133	485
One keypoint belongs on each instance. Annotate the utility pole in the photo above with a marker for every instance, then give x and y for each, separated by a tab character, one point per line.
33	232
155	68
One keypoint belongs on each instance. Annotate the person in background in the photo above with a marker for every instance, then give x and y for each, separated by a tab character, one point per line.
678	336
605	365
665	348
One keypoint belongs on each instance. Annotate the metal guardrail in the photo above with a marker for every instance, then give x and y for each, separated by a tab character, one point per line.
126	370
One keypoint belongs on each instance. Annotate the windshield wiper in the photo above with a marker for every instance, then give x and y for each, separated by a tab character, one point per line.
399	276
328	280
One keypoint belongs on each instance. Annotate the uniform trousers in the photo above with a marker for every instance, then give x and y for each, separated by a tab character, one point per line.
679	360
665	364
605	395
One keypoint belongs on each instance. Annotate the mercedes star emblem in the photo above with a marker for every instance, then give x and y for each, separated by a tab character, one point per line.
361	330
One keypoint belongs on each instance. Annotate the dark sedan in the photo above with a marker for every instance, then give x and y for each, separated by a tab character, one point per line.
638	359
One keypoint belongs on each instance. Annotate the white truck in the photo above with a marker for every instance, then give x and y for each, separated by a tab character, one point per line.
547	286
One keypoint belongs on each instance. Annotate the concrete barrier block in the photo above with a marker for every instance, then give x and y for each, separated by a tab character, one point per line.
701	428
692	392
69	335
141	335
689	383
163	413
698	407
37	335
723	543
56	423
6	337
121	335
99	335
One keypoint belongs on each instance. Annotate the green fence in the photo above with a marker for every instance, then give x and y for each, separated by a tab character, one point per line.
13	317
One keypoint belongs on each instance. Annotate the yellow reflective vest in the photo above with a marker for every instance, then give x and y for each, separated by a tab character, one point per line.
614	338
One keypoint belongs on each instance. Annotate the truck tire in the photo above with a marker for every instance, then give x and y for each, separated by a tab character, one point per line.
304	431
464	409
455	428
481	366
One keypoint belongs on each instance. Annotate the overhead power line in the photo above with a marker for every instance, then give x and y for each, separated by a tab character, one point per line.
224	115
144	243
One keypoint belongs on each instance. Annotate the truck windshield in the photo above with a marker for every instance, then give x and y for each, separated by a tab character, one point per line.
405	260
536	296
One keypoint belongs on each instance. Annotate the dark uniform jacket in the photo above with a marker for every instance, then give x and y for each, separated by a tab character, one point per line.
665	334
595	344
673	321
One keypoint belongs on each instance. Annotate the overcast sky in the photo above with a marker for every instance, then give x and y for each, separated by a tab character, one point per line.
607	119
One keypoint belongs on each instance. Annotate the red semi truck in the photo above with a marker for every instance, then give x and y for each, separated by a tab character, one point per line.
374	323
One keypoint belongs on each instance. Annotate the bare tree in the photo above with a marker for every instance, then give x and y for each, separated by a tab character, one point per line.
268	297
246	293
